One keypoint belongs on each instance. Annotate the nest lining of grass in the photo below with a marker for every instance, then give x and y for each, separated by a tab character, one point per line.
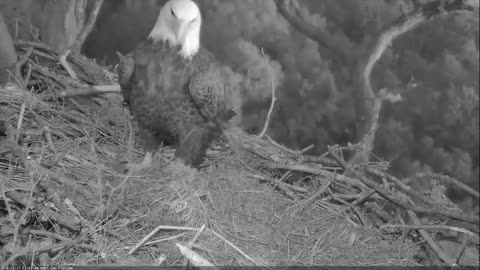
82	162
65	199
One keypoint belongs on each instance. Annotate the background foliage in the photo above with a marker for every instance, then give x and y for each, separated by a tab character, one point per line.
434	67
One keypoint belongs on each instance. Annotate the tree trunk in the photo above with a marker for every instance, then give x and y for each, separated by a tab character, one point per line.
8	55
56	23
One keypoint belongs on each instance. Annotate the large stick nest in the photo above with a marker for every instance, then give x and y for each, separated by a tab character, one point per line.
65	199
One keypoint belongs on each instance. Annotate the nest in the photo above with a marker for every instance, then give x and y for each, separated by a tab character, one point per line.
65	199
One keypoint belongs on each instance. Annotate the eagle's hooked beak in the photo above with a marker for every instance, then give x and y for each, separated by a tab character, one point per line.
180	27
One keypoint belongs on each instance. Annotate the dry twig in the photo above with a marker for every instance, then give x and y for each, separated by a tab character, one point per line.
156	230
385	193
463	246
19	65
475	237
278	182
359	214
90	91
450	180
312	198
272	104
439	251
63	61
28	249
234	247
69	222
407	189
193	257
319	171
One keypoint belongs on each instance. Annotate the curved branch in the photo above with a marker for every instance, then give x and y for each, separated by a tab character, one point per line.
272	104
406	23
367	102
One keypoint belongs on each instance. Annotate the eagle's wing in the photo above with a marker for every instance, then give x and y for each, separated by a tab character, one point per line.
208	91
125	71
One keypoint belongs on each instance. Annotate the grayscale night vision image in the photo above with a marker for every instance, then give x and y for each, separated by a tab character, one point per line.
141	134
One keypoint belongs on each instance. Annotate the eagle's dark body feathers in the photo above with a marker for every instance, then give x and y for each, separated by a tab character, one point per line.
175	101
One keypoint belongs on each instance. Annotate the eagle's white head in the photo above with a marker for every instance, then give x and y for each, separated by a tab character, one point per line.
179	23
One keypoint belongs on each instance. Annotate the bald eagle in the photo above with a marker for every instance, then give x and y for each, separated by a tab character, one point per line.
173	87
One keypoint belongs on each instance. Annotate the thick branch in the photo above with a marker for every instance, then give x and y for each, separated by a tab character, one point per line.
291	12
367	109
454	214
406	23
87	28
86	91
366	144
430	241
447	179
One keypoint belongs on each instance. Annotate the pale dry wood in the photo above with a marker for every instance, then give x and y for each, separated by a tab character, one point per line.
435	227
439	210
67	221
156	230
429	239
88	27
235	247
272	104
63	61
450	180
194	258
28	250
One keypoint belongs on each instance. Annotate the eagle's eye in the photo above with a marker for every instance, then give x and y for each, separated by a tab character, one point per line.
173	13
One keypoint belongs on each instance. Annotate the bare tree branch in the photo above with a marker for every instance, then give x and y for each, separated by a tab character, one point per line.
82	36
87	28
272	104
447	179
291	12
366	143
406	23
474	236
430	241
367	102
63	61
454	214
